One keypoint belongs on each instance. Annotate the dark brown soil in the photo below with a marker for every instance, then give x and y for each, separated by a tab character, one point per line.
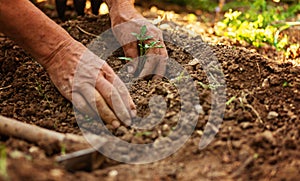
259	138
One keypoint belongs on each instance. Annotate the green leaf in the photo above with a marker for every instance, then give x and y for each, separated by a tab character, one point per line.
148	37
126	58
135	34
152	44
143	30
230	100
285	84
147	46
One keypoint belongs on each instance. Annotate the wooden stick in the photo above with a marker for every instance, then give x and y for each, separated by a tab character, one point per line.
35	134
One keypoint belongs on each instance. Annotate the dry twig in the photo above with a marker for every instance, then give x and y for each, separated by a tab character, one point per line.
85	32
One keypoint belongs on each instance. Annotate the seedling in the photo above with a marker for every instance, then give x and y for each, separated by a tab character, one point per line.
209	86
41	91
144	47
230	100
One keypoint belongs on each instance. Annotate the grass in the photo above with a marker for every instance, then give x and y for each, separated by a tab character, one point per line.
3	162
259	24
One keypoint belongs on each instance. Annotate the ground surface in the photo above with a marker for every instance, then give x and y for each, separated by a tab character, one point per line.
259	138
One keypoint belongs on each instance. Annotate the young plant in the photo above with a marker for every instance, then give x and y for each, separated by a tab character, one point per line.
259	25
144	47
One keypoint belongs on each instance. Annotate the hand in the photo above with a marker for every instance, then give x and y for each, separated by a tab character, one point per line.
90	84
78	74
125	21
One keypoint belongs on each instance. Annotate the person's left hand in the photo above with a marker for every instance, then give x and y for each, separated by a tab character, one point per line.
126	20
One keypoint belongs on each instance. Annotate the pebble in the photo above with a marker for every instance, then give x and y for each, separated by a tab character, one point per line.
113	173
127	137
269	137
272	115
16	154
266	83
56	173
33	149
246	125
165	127
165	27
199	109
121	130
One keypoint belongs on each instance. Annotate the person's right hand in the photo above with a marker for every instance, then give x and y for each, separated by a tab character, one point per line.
90	84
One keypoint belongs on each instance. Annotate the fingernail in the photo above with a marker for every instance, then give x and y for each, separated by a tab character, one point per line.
130	69
115	124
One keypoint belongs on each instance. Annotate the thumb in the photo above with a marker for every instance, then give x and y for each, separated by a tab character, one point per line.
131	51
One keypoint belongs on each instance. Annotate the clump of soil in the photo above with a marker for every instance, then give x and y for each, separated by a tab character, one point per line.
259	137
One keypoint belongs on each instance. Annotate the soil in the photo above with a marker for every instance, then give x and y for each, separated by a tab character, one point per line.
258	139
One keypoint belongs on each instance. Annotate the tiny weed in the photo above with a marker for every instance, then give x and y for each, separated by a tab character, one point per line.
285	84
209	86
230	100
41	91
126	58
180	77
144	47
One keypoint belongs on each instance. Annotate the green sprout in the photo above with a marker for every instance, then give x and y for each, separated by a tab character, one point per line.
144	47
230	100
41	91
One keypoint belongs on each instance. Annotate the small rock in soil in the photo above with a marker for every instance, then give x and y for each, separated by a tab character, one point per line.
272	115
269	137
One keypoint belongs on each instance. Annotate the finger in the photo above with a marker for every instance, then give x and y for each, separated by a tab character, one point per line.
151	62
105	112
156	59
111	77
123	91
82	106
160	69
149	66
90	100
131	51
113	98
162	64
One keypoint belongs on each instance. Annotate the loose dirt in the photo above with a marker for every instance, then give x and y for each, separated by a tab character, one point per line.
258	140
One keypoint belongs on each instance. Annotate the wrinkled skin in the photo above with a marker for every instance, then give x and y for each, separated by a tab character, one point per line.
96	88
91	84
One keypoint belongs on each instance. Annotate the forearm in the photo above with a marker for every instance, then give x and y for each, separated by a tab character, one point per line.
32	29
